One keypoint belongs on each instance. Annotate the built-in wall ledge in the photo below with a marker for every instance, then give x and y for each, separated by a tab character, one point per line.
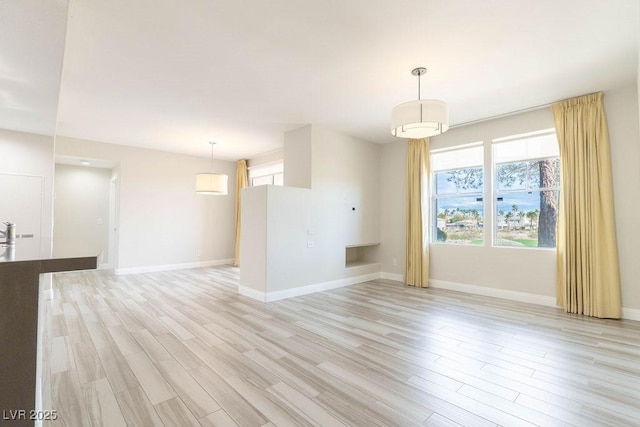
351	264
360	245
361	254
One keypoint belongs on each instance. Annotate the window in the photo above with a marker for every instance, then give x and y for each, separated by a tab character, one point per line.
526	184
458	179
521	195
266	174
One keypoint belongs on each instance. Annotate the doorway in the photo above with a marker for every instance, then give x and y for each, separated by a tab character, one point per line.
86	195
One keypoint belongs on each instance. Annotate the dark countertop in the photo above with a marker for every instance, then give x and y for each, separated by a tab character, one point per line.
77	256
21	267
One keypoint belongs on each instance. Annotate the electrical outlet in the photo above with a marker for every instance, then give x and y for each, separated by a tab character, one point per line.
310	244
394	262
199	253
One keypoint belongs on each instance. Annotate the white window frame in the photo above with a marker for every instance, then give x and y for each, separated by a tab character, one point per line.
496	193
490	192
433	221
274	170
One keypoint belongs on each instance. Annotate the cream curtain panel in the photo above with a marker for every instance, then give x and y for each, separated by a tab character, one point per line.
242	181
588	274
417	252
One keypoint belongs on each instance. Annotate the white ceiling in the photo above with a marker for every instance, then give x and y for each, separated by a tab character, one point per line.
32	36
174	75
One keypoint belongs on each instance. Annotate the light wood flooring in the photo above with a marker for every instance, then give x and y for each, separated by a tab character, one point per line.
183	348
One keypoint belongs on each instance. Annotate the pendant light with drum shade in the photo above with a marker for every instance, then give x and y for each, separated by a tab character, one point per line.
211	183
421	118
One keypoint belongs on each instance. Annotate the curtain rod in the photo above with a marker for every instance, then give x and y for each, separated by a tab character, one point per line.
500	116
512	113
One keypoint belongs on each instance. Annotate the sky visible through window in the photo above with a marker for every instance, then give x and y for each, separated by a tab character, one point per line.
525	200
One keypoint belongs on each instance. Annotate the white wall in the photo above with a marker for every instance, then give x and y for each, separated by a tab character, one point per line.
30	154
275	255
266	158
393	211
621	106
345	174
519	269
341	209
297	157
346	182
81	209
253	239
163	222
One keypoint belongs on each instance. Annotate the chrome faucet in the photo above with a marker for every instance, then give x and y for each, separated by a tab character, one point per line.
9	234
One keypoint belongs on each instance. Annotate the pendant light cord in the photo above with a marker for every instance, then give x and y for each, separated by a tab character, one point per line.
419	79
212	144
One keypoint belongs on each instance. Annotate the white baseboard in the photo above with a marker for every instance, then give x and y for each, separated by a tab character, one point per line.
627	313
631	314
304	290
251	293
392	276
168	267
494	292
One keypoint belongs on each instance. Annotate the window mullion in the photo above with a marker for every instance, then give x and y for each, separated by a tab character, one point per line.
488	205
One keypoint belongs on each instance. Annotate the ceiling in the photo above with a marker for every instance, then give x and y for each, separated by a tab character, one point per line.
32	34
174	75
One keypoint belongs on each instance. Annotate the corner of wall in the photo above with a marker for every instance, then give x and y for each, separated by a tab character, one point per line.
297	153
